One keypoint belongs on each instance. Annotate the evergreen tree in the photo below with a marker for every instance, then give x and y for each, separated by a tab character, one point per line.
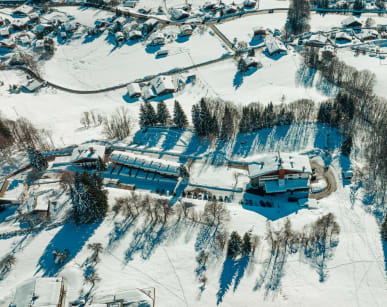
242	66
213	127
100	165
205	118
88	198
37	160
163	116
358	5
143	116
384	229
179	117
196	119
346	146
227	125
246	244
244	123
234	247
148	115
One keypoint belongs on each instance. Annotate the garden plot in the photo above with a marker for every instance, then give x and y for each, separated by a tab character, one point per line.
98	62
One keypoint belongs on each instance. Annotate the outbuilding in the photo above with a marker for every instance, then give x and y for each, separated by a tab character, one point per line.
351	22
185	30
259	31
178	14
134	90
317	40
158	39
135	34
4	32
88	155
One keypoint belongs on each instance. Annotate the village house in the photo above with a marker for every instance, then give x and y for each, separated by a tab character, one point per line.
259	31
343	36
70	26
229	9
7	44
23	10
148	93
317	40
275	46
150	24
158	39
135	34
42	29
40	292
185	30
33	17
368	34
163	85
38	205
128	298
119	37
209	5
251	62
88	155
328	51
134	90
250	3
178	14
135	161
4	32
20	24
351	22
281	172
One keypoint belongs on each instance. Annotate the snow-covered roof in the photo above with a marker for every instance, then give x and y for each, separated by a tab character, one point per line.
368	33
328	48
274	45
20	22
350	20
318	39
23	9
33	16
250	61
259	29
119	35
40	28
178	13
70	26
7	43
133	89
146	163
151	22
134	34
158	37
343	36
40	292
88	151
33	85
148	93
134	296
185	28
162	84
274	186
4	31
249	3
277	161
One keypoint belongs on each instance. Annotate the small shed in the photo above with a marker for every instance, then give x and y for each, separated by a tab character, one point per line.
185	30
351	22
23	10
251	62
32	85
259	31
4	32
134	90
148	93
178	14
119	37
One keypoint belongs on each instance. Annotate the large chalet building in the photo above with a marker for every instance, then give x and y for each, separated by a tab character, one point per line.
280	173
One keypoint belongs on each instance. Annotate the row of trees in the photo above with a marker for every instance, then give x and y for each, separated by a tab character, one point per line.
298	17
149	117
241	247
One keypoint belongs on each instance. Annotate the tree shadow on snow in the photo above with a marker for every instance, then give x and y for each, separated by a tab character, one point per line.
305	76
72	237
233	270
119	231
238	80
128	99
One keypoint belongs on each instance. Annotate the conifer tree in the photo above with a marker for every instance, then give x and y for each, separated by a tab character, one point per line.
234	247
205	119
179	117
246	244
88	198
163	116
196	119
227	125
37	160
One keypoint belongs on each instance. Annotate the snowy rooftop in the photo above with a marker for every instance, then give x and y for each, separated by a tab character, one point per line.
274	45
39	292
146	163
128	298
88	151
162	84
275	162
349	20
